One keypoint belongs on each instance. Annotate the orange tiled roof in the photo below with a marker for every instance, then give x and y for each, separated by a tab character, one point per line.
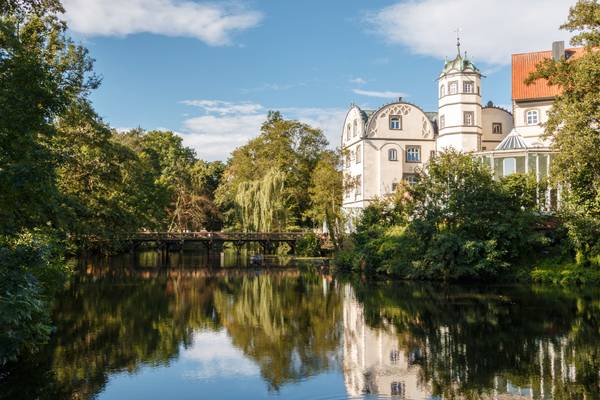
523	65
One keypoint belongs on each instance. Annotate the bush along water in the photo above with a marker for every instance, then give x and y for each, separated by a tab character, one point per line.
32	270
455	223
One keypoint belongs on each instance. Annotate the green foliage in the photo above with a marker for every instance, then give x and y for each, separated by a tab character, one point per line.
286	146
455	223
573	127
42	72
309	245
262	203
31	271
326	191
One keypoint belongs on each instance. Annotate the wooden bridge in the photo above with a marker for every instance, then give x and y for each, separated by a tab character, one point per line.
214	241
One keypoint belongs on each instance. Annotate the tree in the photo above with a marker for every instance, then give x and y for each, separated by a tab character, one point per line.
326	193
105	187
574	127
288	146
42	72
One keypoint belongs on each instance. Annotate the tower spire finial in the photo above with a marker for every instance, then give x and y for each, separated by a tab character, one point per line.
457	40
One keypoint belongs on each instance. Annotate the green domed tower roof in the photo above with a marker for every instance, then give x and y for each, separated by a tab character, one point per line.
459	64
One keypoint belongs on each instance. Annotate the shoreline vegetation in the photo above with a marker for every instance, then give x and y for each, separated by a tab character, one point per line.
65	173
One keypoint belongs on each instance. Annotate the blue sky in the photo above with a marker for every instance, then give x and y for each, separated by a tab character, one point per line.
211	70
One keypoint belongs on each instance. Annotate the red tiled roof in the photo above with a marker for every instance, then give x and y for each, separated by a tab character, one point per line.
523	65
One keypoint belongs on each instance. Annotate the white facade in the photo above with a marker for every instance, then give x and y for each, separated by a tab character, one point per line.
386	146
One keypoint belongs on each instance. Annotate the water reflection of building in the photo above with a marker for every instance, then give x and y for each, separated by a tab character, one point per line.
373	361
385	362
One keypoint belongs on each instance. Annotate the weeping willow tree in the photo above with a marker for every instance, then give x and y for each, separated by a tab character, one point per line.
262	203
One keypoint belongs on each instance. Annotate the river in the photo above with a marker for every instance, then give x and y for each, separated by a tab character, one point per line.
131	330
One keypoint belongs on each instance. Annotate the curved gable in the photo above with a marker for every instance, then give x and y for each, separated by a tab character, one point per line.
412	123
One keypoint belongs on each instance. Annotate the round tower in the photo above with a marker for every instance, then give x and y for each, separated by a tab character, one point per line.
459	106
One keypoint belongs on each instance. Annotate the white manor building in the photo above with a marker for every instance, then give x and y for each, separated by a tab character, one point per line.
384	147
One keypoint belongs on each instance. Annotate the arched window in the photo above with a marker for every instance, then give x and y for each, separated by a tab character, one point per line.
358	154
395	122
348	132
532	117
354	128
442	90
392	155
509	166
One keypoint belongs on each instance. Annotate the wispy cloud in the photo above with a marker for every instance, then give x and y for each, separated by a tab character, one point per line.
358	81
226	125
276	87
499	29
211	22
381	95
224	107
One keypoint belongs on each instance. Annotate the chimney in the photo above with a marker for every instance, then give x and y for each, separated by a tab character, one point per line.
558	50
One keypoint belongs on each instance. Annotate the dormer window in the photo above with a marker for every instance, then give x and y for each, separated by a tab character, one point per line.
453	87
395	122
468	87
532	117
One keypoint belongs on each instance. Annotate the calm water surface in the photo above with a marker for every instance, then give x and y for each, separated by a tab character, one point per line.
130	330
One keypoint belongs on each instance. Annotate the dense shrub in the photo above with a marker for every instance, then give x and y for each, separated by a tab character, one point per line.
309	245
457	222
31	271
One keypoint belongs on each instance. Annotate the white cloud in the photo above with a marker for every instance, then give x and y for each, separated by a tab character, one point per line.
226	125
330	120
491	30
212	23
381	95
358	81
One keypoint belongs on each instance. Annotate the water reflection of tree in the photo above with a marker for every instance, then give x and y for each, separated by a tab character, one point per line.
288	324
472	340
290	327
105	327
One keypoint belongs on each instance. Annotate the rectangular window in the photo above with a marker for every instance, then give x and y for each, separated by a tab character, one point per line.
411	179
394	187
398	389
468	87
395	122
468	118
442	121
532	117
358	189
347	160
413	153
392	155
358	154
453	87
496	127
431	154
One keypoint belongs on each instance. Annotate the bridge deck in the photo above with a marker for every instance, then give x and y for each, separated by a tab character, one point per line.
217	236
